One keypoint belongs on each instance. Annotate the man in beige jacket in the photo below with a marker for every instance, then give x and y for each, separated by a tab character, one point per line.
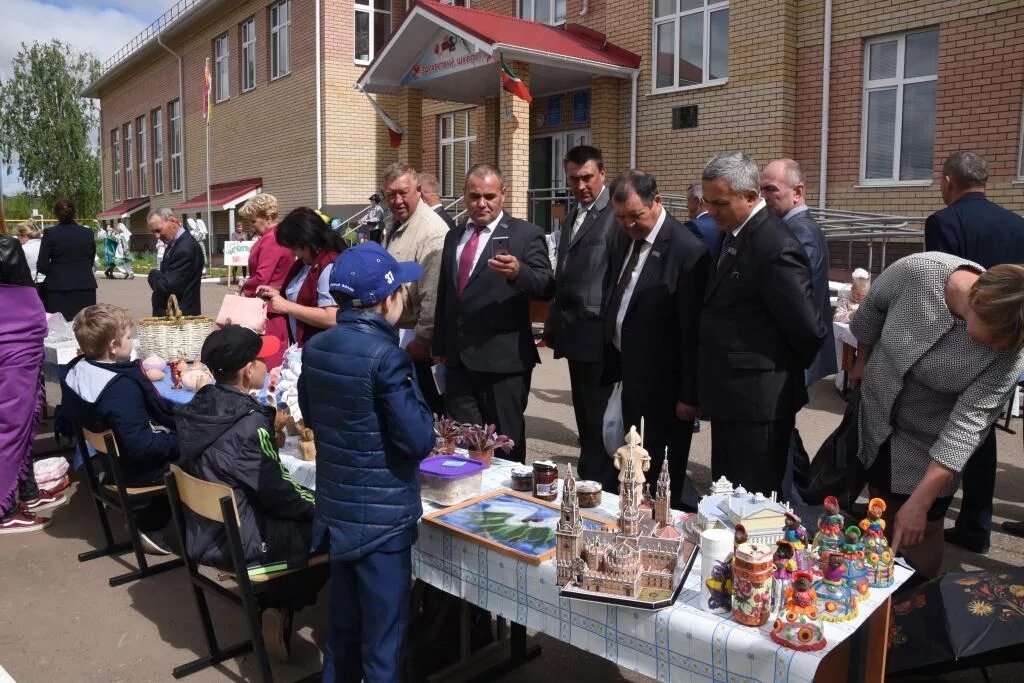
416	233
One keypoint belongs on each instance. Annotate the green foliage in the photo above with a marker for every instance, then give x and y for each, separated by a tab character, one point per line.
46	125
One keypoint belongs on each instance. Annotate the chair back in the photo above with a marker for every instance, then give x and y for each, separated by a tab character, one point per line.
203	498
103	442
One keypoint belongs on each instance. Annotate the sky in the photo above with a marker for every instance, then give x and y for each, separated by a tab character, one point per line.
101	27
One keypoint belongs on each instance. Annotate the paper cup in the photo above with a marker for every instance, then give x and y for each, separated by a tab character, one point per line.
715	546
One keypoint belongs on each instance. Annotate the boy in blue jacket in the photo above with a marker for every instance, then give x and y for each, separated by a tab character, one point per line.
359	395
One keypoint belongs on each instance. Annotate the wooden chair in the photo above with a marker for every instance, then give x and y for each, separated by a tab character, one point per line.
122	498
216	502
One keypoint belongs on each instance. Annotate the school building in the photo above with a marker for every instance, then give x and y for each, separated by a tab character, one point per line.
657	84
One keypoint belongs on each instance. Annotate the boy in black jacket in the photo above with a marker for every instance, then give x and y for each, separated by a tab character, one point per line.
227	437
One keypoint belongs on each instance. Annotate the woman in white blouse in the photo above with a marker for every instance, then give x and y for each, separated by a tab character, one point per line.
31	237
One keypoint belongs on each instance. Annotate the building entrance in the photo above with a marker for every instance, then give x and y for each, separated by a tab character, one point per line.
549	196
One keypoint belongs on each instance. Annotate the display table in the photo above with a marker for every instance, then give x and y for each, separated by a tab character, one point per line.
846	352
678	643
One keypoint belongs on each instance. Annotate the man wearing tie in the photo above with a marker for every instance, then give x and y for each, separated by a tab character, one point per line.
574	326
491	268
758	331
656	277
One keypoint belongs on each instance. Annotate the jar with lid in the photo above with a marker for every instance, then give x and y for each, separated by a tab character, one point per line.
545	480
522	478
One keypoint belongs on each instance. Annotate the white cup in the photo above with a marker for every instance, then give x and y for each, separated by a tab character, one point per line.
715	546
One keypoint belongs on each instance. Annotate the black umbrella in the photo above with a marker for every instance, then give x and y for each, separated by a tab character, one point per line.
957	621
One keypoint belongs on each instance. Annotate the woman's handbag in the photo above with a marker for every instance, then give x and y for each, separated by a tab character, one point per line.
245	311
174	335
836	470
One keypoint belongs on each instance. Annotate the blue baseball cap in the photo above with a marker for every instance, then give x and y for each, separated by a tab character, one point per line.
367	274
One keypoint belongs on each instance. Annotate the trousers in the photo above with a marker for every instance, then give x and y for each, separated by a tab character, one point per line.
588	402
490	398
978	487
751	454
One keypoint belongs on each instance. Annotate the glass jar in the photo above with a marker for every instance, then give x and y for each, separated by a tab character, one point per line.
522	479
545	480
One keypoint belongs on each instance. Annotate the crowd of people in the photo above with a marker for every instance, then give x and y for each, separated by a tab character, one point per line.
722	315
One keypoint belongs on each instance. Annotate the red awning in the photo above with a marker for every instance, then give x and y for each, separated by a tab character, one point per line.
223	196
124	209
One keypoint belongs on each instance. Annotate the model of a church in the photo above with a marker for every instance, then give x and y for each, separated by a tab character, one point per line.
764	517
642	564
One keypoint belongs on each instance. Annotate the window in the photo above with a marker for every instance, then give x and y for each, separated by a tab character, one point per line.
174	136
456	3
898	118
143	154
373	28
221	56
129	189
280	39
456	149
248	40
1020	153
543	11
691	43
115	159
157	117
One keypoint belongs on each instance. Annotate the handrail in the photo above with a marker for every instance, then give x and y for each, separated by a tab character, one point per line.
149	33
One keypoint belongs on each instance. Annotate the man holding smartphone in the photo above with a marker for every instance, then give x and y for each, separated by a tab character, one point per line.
491	268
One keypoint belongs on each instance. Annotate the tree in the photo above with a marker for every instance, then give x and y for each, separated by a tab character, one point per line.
46	124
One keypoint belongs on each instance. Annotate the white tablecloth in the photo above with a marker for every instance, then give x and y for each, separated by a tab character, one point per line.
843	335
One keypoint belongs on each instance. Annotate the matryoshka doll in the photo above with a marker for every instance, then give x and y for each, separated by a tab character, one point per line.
829	538
878	557
856	570
798	624
796	535
835	600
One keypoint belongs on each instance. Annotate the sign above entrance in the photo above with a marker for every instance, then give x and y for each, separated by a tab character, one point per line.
444	55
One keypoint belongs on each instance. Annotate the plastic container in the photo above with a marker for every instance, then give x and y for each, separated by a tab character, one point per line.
545	480
522	478
450	479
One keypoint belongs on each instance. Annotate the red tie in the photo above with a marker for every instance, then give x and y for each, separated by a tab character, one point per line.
468	257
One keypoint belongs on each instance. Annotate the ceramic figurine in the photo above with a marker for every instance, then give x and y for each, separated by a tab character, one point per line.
782	577
633	450
878	556
794	533
799	625
752	569
856	570
829	538
835	601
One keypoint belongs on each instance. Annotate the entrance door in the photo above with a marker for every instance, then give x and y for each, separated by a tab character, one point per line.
549	196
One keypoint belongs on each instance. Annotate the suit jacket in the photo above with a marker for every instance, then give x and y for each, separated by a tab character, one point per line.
976	229
180	273
445	216
575	323
759	328
703	227
487	329
658	360
813	241
419	239
67	257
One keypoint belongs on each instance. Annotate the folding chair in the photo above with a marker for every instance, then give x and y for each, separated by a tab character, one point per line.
216	502
122	498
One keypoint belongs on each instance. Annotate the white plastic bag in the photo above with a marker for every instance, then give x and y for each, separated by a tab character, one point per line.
49	471
613	431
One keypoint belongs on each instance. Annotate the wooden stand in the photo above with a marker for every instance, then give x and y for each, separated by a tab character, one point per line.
861	657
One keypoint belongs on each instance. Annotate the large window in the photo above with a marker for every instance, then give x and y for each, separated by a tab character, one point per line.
457	140
157	117
221	57
248	40
898	124
143	154
373	27
129	189
115	162
543	11
174	137
280	39
691	43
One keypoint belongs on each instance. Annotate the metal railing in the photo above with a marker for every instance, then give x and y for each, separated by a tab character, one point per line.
150	33
873	229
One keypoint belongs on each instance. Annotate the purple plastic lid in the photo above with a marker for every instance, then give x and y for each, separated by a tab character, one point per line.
450	466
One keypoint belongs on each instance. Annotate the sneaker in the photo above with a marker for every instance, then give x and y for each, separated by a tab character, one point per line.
46	500
22	522
153	543
276	633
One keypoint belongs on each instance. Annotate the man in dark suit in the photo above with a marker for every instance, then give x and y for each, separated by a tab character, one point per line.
758	331
491	268
700	222
431	191
977	229
181	270
656	277
574	326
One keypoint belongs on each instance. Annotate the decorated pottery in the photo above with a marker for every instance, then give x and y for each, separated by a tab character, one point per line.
752	568
799	625
878	557
784	560
856	569
829	538
154	362
835	601
154	375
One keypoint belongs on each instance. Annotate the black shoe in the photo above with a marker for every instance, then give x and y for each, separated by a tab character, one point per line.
1015	528
957	539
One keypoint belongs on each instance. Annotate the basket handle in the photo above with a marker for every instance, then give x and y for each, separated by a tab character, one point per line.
173	310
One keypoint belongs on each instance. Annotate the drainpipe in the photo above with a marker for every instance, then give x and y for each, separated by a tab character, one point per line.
181	105
826	78
632	122
319	118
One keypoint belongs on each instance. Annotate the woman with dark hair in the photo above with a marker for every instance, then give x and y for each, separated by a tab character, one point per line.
306	298
66	257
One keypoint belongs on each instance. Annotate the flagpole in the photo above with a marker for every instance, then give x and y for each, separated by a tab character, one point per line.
209	217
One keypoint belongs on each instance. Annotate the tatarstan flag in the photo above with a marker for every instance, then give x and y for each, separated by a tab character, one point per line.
394	130
514	84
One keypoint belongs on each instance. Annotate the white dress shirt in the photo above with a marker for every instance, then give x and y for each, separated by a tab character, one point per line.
581	215
485	236
757	207
628	294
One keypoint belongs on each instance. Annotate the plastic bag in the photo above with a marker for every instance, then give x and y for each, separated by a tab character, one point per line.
836	470
612	431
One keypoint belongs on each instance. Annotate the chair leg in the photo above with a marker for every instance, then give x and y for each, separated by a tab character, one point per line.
252	614
111	547
143	572
216	654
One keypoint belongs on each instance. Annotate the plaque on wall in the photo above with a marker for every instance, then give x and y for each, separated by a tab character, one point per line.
684	117
554	116
581	106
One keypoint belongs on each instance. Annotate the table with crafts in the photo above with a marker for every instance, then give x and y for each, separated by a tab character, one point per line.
677	643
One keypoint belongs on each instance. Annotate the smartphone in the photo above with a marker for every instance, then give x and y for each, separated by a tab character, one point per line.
499	246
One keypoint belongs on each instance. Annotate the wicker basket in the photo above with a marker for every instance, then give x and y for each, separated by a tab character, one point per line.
175	335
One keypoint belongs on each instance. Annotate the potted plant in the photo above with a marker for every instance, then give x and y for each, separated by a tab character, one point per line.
447	432
481	442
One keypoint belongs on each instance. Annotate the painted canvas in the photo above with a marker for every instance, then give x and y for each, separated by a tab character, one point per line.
509	522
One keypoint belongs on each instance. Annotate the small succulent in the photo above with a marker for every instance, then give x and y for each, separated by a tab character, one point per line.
477	438
446	428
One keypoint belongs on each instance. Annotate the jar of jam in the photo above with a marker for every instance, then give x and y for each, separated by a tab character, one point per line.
522	479
545	480
588	493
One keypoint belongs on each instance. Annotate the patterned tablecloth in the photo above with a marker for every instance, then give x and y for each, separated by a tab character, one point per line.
678	643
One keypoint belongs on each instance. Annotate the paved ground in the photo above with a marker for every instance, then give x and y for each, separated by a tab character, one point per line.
59	621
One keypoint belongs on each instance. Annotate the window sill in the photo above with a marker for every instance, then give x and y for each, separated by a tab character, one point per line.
893	183
689	88
1018	182
247	90
362	62
280	76
225	99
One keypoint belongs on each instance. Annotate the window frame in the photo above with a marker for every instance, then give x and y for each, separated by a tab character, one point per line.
882	84
1020	152
221	68
174	139
115	159
554	21
156	118
469	139
247	54
274	50
369	7
707	9
127	136
142	155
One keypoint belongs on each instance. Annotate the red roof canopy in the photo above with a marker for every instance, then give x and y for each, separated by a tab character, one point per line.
125	208
223	196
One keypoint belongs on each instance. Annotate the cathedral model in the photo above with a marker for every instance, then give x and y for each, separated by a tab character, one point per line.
642	564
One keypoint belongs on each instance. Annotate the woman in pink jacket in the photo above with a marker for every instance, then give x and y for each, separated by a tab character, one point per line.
269	263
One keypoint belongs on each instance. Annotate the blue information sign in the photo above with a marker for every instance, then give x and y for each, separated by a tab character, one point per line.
581	106
554	117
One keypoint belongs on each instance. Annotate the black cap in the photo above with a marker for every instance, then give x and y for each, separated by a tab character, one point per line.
230	348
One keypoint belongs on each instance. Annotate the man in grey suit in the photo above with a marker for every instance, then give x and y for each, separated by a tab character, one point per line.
574	326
